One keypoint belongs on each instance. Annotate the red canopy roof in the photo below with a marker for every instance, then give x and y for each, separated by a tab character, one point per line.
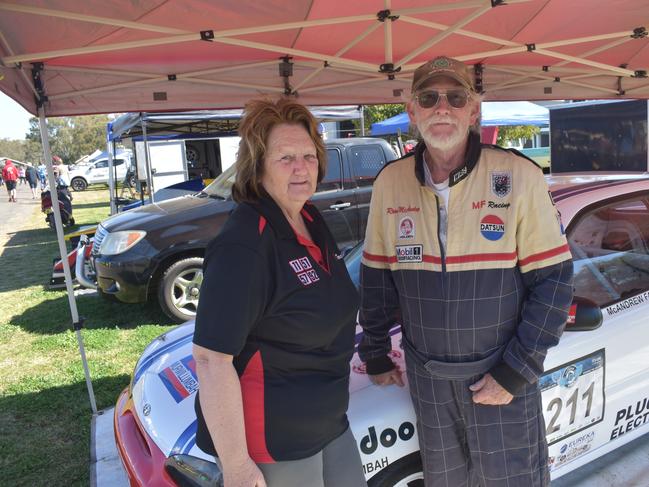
154	55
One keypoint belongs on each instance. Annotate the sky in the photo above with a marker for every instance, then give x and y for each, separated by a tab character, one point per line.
14	119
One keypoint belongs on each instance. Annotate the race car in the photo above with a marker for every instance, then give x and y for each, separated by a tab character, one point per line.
594	389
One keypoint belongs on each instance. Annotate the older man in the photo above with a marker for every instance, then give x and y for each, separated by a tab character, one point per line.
481	283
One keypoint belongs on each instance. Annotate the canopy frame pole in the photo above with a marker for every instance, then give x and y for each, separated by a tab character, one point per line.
444	34
58	221
340	85
387	32
22	73
147	160
63	14
112	186
356	40
586	54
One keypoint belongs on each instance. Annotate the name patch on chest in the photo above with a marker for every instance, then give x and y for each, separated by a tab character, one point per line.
304	271
410	253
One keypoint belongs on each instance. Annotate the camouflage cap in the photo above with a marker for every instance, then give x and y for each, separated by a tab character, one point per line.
443	66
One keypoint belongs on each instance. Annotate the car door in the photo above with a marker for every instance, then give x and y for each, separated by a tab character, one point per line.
334	198
98	172
595	389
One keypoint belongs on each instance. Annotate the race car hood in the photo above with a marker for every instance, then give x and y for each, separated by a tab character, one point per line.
164	385
184	209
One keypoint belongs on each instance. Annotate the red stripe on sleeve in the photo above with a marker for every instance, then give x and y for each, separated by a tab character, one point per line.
461	259
379	258
252	394
544	255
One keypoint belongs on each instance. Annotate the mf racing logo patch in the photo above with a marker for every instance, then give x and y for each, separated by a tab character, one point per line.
501	183
304	271
406	227
492	228
410	253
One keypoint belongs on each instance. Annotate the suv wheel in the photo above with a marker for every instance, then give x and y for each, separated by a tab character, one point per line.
179	288
79	184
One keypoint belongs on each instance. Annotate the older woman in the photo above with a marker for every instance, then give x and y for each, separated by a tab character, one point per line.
275	324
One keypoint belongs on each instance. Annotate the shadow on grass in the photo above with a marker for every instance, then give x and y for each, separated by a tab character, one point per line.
89	205
53	315
45	435
27	259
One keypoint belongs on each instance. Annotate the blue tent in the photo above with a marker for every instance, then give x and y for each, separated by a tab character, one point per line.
493	114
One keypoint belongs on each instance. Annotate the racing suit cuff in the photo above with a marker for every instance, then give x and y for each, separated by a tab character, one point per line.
508	378
379	365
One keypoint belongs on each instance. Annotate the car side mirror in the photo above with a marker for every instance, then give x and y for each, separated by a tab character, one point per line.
584	315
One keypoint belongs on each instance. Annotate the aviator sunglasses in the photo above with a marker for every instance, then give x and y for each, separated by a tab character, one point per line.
430	98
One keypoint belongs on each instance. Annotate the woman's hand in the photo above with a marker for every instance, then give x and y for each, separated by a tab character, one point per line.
246	474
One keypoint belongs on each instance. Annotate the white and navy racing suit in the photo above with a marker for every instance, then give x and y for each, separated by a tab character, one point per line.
492	299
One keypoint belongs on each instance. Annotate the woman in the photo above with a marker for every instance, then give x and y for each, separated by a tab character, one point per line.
275	323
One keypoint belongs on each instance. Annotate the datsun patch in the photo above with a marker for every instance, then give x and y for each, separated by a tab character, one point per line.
501	183
180	378
410	253
492	228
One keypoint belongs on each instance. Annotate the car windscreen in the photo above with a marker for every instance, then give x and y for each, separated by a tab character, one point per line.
221	187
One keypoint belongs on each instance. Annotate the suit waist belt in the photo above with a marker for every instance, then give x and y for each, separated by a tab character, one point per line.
453	370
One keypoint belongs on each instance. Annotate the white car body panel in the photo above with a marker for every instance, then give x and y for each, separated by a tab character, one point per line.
588	424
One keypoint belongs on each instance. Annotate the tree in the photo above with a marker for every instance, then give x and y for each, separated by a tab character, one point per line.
70	137
13	149
378	113
510	133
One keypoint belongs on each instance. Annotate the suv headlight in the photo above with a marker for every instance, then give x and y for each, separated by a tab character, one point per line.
117	242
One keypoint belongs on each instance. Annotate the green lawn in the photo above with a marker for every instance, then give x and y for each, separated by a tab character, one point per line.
44	408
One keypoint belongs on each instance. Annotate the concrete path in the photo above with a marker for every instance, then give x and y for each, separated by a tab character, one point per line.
13	214
106	468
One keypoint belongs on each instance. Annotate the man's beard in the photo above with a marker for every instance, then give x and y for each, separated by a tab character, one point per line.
444	142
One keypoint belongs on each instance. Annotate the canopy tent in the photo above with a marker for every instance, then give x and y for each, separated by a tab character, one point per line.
155	55
64	57
494	114
206	121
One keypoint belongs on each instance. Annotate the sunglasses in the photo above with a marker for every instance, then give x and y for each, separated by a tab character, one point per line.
430	98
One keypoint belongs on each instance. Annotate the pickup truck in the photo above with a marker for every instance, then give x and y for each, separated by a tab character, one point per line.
156	251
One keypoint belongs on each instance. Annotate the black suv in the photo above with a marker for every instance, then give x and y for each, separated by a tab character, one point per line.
157	249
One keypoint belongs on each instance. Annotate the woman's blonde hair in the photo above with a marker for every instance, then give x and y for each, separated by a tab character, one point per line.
260	117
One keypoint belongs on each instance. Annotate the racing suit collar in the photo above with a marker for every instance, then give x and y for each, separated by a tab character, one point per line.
473	150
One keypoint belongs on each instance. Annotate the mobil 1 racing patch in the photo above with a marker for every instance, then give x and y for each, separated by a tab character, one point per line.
492	227
410	253
501	183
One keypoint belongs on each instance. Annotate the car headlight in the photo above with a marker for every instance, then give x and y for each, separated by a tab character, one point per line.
189	471
117	242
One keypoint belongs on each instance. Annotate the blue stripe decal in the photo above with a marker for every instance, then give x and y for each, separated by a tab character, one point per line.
187	437
190	445
167	348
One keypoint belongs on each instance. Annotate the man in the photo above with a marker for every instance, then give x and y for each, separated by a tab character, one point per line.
480	279
10	176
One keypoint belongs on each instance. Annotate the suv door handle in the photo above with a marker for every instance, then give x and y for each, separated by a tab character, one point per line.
340	206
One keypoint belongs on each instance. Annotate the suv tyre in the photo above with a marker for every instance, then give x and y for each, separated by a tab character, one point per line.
179	289
79	184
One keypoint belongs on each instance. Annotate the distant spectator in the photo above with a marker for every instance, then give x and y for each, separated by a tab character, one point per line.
64	174
21	175
10	175
42	175
32	178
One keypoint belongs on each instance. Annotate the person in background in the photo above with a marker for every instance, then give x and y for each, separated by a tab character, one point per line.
21	175
10	175
481	282
276	320
42	175
64	174
32	178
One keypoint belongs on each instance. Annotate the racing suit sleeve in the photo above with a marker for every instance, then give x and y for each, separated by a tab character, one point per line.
545	263
379	298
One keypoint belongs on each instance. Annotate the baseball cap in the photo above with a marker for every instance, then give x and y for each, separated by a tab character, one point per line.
442	66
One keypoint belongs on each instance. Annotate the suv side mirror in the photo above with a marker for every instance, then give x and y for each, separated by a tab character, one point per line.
584	315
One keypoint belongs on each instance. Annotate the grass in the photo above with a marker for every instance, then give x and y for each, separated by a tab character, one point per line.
44	408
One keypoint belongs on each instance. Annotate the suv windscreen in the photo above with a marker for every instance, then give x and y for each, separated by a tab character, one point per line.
221	187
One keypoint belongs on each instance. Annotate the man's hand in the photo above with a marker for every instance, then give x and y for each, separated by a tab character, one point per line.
394	376
488	391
